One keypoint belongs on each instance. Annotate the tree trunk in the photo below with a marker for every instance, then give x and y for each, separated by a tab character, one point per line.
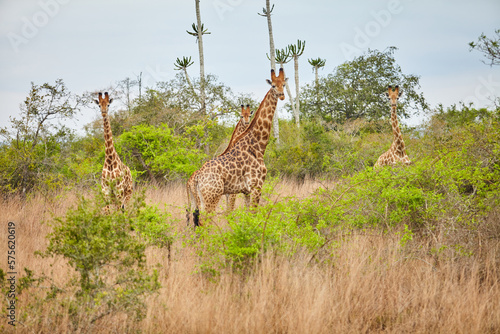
202	61
138	155
139	81
276	126
297	102
316	87
187	78
290	97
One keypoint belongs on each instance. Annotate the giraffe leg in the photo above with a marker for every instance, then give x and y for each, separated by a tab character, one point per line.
210	206
247	200
193	204
255	194
231	201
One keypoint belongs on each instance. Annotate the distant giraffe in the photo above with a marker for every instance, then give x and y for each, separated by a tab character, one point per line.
397	152
114	170
241	168
240	127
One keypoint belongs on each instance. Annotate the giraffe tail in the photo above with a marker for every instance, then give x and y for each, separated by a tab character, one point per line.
192	203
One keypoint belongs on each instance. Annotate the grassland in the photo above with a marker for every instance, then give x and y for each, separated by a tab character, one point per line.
369	283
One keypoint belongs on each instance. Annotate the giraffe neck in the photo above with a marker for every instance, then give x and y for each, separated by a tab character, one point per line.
256	137
110	154
238	130
260	126
398	143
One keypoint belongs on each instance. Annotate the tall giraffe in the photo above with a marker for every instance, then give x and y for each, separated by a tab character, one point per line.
397	151
238	130
241	168
240	127
115	174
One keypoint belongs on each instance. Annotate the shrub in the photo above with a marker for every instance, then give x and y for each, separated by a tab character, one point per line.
108	253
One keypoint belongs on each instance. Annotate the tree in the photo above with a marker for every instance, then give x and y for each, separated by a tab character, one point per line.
266	12
198	31
283	57
490	47
109	262
316	64
124	86
356	90
31	151
295	52
182	65
160	153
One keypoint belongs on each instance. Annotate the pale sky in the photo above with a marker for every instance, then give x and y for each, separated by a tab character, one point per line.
93	44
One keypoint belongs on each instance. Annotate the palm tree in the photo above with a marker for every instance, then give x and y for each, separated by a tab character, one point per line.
199	31
316	64
183	64
295	52
266	12
282	57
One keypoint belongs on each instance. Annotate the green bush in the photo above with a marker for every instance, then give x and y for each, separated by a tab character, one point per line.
273	226
108	253
452	191
157	152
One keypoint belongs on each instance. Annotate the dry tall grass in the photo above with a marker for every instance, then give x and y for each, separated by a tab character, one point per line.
370	284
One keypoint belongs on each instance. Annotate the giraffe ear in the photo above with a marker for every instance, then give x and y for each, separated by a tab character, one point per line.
96	102
386	94
269	82
400	93
110	100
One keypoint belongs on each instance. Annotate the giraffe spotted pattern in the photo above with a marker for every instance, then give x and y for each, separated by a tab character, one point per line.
116	178
397	152
241	168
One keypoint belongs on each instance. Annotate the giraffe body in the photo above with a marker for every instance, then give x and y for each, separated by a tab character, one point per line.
238	130
240	127
397	152
241	168
116	178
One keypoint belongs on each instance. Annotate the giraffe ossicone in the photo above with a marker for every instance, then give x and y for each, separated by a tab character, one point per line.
116	179
397	152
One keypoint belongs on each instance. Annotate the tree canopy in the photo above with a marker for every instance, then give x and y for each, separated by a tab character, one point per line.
356	89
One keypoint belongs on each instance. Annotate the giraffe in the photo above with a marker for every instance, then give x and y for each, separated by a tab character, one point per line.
396	152
240	127
241	168
114	170
238	130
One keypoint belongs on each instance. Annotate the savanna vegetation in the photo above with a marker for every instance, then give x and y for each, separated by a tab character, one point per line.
335	246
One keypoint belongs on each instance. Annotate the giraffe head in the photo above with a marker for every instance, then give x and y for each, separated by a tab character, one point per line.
278	83
245	114
393	95
103	103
